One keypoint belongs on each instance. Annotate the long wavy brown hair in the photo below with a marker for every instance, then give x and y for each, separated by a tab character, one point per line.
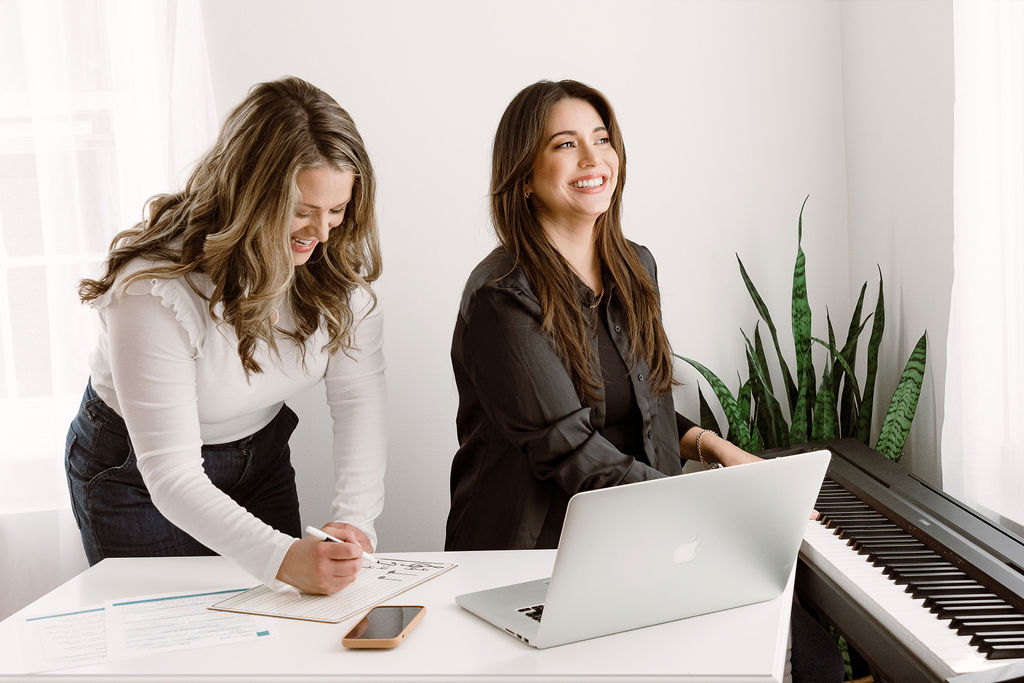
232	222
517	142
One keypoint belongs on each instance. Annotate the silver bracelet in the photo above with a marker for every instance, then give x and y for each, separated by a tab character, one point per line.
708	465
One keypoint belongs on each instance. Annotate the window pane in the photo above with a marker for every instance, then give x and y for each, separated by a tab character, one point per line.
75	327
28	303
85	40
19	205
12	54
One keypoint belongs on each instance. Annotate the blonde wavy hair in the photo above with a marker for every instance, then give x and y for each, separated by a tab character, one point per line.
232	222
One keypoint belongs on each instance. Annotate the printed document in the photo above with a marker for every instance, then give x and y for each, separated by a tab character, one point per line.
121	629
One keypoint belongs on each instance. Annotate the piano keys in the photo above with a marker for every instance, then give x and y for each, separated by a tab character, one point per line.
924	587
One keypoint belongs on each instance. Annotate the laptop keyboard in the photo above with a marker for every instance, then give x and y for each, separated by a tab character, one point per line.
534	612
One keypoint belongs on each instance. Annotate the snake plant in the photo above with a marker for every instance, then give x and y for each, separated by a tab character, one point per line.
827	404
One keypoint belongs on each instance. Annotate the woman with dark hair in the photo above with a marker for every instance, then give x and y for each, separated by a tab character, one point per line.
562	364
563	368
246	287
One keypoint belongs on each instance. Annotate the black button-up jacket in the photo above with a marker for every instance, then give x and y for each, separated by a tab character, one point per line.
527	443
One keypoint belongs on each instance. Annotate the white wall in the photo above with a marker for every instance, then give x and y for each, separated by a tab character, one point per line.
732	112
898	93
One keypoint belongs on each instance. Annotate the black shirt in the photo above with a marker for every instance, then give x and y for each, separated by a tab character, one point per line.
623	424
527	443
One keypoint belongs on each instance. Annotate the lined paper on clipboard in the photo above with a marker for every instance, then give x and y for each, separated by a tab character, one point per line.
381	581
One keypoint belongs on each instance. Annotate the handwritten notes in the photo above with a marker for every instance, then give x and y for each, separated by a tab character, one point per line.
381	581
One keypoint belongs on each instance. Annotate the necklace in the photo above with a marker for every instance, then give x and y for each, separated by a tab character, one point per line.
599	295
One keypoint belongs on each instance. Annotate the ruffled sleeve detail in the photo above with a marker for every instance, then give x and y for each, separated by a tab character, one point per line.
190	309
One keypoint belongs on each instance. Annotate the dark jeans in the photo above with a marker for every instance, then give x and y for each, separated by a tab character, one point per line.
112	506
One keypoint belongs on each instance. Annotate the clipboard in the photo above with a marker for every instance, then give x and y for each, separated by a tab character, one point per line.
381	581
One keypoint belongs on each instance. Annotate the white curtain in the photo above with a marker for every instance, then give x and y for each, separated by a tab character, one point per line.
103	103
982	439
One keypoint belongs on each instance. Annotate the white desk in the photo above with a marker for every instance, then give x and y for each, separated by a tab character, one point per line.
745	644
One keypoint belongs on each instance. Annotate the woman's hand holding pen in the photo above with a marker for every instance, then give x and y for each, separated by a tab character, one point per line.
315	566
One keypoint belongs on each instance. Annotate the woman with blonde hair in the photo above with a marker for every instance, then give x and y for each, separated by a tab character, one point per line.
563	368
234	294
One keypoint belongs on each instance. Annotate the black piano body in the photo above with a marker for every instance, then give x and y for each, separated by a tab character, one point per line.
950	532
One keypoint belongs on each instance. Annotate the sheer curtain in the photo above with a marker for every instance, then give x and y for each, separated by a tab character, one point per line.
102	104
982	439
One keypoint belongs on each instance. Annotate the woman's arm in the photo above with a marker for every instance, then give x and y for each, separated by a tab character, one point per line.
357	399
713	448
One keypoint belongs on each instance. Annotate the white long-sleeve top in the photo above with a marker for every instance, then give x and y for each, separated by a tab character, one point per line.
173	373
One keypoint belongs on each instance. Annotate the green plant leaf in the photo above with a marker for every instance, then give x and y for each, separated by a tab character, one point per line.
826	420
762	310
750	441
903	405
737	422
769	420
864	418
802	341
843	365
833	376
743	398
761	359
848	408
707	416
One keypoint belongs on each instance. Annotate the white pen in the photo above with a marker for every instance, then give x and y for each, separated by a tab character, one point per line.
318	533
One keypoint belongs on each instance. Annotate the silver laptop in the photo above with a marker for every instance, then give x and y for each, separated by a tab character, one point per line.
657	551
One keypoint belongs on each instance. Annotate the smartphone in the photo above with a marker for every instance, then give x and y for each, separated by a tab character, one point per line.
384	627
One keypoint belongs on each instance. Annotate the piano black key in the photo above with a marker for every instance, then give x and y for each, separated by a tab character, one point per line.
893	567
1005	652
921	592
886	544
968	626
988	643
881	558
845	531
981	636
838	519
884	557
842	503
943	607
942	598
841	507
927	569
853	516
990	621
847	511
976	610
916	589
912	577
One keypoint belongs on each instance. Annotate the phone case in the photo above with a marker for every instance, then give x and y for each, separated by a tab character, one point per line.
382	643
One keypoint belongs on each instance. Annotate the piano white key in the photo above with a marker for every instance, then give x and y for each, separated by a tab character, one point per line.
941	649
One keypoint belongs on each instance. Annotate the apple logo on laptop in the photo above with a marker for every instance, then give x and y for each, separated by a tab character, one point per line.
686	551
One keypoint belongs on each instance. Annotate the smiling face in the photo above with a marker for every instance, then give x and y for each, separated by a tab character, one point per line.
324	194
575	172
